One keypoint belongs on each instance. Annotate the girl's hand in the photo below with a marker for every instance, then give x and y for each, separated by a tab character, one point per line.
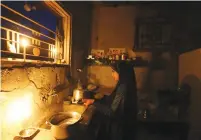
88	102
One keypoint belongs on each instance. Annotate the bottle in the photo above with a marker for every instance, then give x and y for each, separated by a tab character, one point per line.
78	93
123	56
117	57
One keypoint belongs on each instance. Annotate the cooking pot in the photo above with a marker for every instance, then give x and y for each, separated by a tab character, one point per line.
60	123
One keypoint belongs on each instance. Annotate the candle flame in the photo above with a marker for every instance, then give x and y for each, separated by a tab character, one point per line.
24	42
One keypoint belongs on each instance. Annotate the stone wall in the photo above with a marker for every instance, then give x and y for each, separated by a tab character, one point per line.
25	97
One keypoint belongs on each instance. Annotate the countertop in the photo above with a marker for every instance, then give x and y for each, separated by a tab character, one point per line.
79	130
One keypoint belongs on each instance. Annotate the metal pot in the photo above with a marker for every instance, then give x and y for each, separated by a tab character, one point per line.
60	123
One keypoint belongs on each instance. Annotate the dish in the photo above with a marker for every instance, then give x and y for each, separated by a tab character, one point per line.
36	51
27	133
65	118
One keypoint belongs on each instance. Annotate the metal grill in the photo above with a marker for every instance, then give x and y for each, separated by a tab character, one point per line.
24	43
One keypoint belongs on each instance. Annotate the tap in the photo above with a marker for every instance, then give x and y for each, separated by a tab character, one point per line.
79	70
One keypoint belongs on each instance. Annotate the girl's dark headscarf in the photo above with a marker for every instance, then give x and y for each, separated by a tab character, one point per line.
127	78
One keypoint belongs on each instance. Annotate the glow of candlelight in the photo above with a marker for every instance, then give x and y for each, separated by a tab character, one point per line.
24	42
54	50
19	109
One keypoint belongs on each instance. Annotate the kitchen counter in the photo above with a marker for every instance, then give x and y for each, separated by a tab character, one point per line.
86	113
77	131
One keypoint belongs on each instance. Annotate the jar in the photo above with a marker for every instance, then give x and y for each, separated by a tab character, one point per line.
117	57
123	56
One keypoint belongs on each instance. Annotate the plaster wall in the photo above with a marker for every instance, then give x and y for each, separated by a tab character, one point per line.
25	97
190	73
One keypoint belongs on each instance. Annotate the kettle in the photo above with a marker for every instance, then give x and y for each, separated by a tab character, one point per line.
78	92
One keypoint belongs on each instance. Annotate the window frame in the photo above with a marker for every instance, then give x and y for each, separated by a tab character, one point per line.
67	27
66	17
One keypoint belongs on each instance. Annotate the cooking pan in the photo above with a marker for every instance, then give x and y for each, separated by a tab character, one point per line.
61	121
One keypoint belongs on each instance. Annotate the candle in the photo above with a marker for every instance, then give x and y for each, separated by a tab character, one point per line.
54	54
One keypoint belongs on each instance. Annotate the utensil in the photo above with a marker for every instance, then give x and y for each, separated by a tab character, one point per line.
91	87
27	133
36	51
61	121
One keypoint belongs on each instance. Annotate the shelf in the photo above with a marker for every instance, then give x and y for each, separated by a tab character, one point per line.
135	63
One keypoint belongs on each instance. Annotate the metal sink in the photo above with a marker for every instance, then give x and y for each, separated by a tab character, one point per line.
71	107
74	107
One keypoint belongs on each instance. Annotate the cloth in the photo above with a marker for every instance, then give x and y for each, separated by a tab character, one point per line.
114	117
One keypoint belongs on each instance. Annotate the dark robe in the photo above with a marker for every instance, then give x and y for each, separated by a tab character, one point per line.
116	122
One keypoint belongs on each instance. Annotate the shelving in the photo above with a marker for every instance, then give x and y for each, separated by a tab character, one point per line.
106	62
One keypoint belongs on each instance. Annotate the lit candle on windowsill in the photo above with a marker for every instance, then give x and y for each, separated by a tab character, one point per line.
54	54
24	43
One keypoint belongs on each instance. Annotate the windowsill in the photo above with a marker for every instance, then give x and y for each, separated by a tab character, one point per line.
20	64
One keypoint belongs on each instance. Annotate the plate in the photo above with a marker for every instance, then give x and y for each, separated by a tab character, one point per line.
27	133
36	51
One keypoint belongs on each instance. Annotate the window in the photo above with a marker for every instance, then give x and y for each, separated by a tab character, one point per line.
35	31
153	34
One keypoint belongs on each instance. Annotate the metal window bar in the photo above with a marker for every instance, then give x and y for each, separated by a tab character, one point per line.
11	21
13	39
20	43
12	31
49	50
26	18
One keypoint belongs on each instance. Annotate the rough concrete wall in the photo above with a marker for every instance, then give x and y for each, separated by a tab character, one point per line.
28	90
190	73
